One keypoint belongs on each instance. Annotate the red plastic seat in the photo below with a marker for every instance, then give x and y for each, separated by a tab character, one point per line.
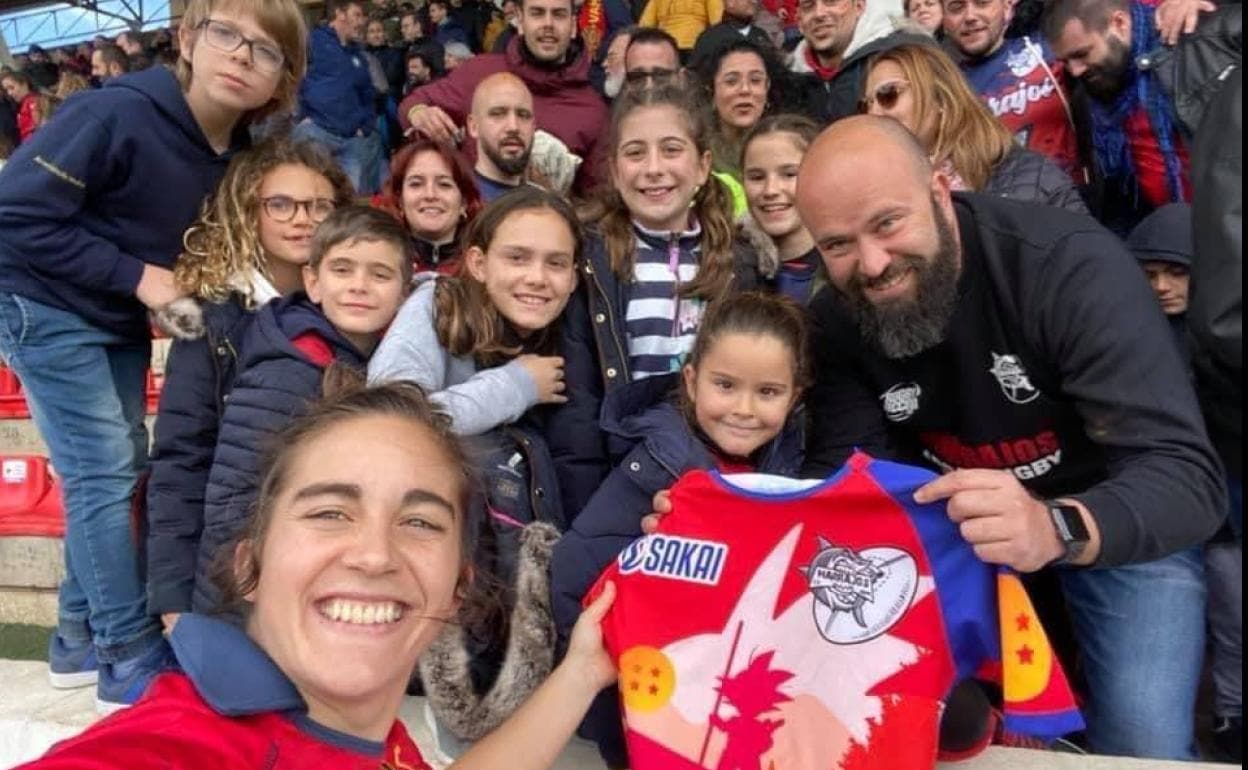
30	498
12	400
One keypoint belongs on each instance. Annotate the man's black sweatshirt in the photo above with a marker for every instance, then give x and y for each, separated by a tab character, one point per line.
1057	366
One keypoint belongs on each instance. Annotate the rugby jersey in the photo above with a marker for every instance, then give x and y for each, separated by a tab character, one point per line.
662	325
815	625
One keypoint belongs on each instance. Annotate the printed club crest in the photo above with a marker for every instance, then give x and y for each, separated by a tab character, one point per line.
1013	379
860	595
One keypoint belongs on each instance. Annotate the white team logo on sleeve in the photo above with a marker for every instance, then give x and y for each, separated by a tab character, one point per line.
1013	379
860	595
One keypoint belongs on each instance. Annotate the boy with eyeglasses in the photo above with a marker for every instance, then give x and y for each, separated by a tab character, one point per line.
92	212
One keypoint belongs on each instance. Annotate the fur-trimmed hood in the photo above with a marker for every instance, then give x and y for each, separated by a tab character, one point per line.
183	319
528	659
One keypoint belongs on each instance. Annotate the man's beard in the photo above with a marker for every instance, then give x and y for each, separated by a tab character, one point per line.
905	328
509	166
1105	81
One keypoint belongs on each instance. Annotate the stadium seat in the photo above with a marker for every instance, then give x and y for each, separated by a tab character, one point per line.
30	498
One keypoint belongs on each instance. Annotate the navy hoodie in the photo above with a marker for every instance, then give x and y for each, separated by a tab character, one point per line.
277	381
337	93
107	185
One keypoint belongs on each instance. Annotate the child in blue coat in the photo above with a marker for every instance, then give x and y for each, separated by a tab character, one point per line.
356	279
248	246
737	396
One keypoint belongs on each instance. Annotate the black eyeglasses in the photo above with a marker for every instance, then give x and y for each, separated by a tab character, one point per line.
885	94
282	208
657	75
267	57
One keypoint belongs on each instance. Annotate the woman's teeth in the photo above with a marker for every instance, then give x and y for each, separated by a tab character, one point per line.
361	613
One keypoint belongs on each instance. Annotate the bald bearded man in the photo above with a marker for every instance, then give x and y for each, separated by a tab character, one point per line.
502	124
1017	349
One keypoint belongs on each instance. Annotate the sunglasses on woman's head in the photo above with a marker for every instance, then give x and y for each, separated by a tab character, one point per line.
885	94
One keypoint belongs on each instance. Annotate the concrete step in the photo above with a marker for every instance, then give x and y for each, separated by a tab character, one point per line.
33	716
31	568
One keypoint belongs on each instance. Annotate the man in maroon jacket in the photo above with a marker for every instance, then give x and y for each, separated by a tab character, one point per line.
550	62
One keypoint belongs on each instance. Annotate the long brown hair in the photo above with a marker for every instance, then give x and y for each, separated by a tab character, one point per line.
711	204
467	321
967	134
225	240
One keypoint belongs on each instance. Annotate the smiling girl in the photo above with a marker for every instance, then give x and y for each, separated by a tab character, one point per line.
433	194
249	246
770	158
482	343
356	558
737	393
661	246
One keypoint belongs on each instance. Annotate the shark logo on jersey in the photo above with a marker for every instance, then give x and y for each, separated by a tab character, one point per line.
859	595
1013	379
1022	62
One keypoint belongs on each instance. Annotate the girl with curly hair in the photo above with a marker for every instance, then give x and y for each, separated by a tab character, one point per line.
248	246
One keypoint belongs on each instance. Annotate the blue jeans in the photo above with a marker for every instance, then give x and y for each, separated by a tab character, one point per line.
1141	630
357	155
85	388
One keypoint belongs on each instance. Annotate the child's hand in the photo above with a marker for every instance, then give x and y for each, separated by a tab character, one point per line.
156	287
547	372
586	657
662	504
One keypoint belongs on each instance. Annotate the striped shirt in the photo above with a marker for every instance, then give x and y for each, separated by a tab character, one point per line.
660	324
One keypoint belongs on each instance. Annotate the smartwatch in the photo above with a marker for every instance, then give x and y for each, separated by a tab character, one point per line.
1070	530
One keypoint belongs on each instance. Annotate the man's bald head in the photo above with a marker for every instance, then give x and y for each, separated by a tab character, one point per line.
883	223
502	122
866	140
496	85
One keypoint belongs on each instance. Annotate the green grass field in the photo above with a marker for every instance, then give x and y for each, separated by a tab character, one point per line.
22	642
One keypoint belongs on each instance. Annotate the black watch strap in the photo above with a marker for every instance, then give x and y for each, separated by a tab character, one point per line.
1071	530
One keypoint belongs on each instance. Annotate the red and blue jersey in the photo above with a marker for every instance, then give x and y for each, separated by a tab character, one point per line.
815	625
1022	83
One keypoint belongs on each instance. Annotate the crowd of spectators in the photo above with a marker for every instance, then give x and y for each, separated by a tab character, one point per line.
1051	144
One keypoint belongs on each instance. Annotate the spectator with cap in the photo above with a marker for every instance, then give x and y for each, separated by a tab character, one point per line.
336	98
108	62
553	66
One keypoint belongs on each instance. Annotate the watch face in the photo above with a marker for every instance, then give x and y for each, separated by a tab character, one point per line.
1070	524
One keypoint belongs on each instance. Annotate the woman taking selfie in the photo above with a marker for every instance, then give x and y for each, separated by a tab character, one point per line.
355	560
